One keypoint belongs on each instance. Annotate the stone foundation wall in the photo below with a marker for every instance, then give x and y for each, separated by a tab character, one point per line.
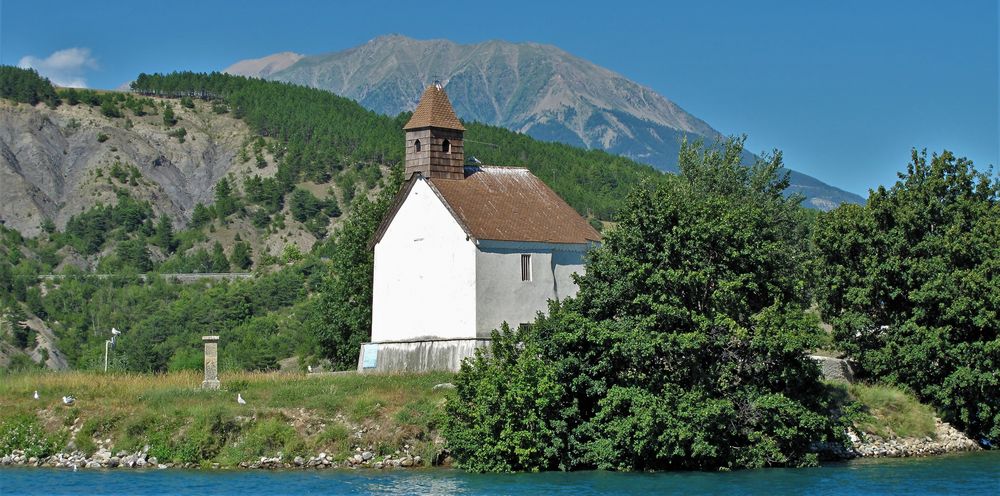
417	356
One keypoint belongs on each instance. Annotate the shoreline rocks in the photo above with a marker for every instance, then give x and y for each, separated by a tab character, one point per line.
947	440
104	459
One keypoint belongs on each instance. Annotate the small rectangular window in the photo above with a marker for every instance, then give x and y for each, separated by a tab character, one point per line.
525	267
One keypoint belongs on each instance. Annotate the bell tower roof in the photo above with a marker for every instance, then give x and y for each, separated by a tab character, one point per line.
434	110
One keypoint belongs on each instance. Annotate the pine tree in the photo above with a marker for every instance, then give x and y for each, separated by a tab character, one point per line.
219	261
164	235
241	255
168	115
225	201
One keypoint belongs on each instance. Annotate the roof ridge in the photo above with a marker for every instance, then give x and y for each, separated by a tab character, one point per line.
506	167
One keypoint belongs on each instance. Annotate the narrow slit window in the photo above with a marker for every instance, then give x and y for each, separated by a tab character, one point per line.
446	146
525	267
416	146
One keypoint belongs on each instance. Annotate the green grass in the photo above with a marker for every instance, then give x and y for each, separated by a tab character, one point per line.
890	411
287	413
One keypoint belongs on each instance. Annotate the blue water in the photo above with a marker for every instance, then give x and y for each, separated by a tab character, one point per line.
967	474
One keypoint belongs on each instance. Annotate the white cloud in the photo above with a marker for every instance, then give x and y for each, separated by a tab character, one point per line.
66	67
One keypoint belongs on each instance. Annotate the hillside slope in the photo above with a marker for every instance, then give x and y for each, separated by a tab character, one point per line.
531	88
55	163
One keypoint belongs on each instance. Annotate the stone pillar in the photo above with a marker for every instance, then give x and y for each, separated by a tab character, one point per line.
211	362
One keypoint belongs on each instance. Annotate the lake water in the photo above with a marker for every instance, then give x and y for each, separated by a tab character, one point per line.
966	474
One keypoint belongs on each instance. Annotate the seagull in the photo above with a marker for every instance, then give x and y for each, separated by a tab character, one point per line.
240	400
68	400
310	367
115	332
36	394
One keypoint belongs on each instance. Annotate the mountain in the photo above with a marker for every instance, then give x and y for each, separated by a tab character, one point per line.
264	66
539	90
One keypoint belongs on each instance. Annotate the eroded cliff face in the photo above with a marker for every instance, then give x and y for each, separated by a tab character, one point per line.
55	163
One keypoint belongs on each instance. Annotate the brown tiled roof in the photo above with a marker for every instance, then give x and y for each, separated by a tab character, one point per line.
511	204
434	110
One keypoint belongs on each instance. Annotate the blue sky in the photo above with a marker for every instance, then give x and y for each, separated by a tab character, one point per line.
844	88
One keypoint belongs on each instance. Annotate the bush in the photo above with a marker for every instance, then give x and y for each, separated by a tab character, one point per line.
206	436
179	133
265	438
685	346
911	285
23	432
509	409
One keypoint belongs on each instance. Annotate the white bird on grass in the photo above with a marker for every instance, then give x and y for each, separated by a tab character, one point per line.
240	400
310	367
36	394
68	400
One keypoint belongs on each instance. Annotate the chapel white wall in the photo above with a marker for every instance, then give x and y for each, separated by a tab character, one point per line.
425	274
501	295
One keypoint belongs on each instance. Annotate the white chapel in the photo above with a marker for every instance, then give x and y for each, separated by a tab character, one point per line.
464	249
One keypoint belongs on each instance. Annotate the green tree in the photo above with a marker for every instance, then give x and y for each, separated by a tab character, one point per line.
164	235
342	312
242	255
110	109
133	252
304	205
911	285
202	215
684	348
226	201
219	261
26	86
168	115
48	226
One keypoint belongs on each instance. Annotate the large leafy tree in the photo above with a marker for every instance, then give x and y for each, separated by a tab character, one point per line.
341	316
911	283
684	348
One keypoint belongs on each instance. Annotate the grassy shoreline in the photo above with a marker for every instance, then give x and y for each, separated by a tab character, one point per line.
289	419
290	414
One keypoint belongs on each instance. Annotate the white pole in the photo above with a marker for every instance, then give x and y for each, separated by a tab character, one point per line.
106	344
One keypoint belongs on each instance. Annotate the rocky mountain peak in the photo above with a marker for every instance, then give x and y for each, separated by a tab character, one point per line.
540	90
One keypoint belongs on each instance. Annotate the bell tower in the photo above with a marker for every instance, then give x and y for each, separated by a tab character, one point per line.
434	138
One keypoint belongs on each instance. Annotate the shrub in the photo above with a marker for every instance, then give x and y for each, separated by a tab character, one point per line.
266	437
23	432
911	284
684	347
206	436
